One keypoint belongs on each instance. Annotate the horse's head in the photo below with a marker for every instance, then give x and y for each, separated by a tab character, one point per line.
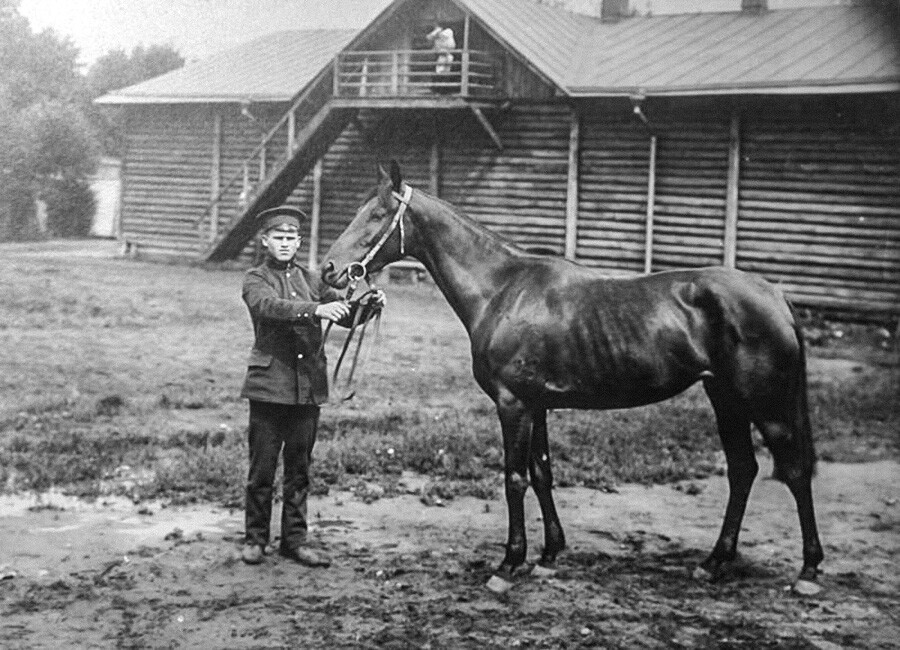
374	238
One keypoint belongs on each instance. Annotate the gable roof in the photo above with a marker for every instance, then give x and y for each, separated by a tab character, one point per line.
819	49
810	50
272	68
547	37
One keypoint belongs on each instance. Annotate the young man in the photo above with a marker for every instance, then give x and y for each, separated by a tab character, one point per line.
286	382
443	42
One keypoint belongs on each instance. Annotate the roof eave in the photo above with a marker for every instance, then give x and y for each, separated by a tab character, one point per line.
800	88
113	100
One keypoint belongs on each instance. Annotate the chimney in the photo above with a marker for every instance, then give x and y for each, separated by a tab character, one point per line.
754	5
612	11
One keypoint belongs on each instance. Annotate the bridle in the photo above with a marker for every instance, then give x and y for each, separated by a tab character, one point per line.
356	271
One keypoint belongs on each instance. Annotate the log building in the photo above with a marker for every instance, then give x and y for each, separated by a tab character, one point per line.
763	139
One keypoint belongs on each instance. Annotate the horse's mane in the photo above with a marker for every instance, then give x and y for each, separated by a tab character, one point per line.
474	225
470	222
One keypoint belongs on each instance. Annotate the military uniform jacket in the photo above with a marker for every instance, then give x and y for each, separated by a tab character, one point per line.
286	364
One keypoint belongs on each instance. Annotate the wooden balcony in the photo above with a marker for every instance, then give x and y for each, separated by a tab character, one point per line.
377	76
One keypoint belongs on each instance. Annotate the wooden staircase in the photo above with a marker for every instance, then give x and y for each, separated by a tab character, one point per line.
275	185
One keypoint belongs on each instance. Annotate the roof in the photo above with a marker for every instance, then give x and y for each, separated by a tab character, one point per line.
273	68
796	50
816	49
546	36
809	50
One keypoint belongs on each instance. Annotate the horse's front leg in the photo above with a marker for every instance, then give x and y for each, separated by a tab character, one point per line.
516	422
542	482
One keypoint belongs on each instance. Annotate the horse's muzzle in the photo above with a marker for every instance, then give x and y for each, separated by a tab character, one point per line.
329	276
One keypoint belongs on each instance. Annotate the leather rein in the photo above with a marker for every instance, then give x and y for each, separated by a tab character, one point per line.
356	271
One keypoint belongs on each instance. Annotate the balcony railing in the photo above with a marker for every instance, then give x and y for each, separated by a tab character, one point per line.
413	73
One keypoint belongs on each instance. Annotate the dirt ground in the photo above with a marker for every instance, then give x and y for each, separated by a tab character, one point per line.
406	574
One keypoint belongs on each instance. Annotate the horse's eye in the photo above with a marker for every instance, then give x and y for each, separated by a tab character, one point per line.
377	215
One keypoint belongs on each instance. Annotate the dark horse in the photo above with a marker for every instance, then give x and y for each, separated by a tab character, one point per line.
547	333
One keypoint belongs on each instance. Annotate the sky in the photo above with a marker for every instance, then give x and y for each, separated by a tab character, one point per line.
197	28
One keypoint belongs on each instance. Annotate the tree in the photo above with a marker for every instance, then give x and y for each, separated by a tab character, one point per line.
117	69
49	129
46	145
62	154
17	215
34	66
59	141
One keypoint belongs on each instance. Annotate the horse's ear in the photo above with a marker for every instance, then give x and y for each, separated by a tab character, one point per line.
396	179
384	186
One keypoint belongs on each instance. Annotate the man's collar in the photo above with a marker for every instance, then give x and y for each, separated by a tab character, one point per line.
278	265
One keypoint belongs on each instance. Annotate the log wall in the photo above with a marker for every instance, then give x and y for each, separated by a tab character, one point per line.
166	178
519	191
819	202
612	192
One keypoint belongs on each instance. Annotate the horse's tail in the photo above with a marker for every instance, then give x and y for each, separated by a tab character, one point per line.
802	424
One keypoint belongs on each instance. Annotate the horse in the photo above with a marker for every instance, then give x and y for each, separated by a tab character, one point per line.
549	333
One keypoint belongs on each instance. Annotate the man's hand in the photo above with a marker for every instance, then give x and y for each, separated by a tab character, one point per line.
333	311
378	299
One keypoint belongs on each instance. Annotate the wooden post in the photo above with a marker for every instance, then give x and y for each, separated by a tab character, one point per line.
464	79
245	188
572	186
214	176
395	74
292	133
488	128
731	194
434	167
315	217
262	164
651	204
364	77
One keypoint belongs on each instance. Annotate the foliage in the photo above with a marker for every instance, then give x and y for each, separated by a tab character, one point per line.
49	129
44	140
34	67
17	218
117	69
70	207
60	144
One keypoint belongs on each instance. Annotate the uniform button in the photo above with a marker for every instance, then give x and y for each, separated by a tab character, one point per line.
299	356
305	315
294	294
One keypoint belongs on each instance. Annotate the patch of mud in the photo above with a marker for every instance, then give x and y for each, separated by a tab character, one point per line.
115	574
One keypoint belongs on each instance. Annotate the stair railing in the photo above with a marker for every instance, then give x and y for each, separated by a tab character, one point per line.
257	157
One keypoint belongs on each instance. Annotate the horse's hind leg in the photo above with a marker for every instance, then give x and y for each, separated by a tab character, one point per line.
734	431
542	482
794	465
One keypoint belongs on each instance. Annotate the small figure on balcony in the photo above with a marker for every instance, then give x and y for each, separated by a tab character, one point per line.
443	42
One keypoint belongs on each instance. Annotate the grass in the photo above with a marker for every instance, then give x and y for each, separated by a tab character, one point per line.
123	377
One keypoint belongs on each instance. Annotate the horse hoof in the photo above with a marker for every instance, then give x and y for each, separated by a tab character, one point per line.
498	585
541	571
806	588
702	575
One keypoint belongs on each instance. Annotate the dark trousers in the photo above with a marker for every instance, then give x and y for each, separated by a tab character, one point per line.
290	431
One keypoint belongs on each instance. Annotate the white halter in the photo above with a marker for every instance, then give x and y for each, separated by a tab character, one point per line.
358	270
